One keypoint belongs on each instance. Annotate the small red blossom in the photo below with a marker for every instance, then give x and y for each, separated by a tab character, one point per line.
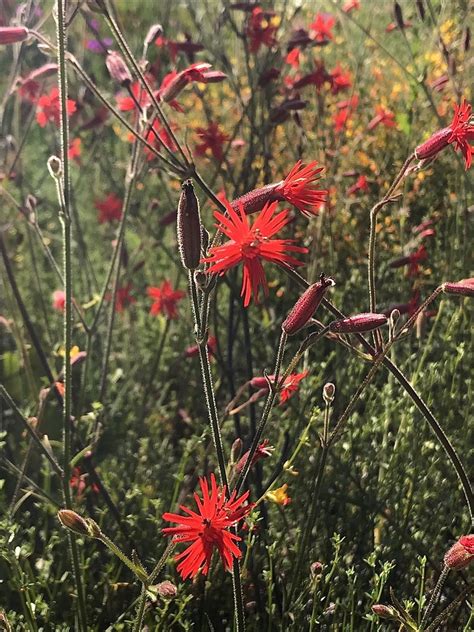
110	209
263	451
291	385
123	298
48	109
293	58
383	117
361	185
74	151
165	300
59	300
261	30
460	554
79	483
127	103
212	138
317	78
351	5
462	131
193	350
340	79
412	261
208	529
250	244
393	26
322	27
158	136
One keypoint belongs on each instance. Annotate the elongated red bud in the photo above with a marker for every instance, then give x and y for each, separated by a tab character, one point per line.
460	554
74	522
383	611
118	68
13	34
436	143
305	306
189	227
358	323
464	287
255	200
260	382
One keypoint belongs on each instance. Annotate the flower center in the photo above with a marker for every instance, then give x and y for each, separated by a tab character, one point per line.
250	248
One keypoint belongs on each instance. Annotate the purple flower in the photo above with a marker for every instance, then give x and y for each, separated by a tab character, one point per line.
101	46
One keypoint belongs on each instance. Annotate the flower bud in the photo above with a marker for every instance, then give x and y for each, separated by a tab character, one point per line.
13	34
316	569
437	142
329	390
117	68
464	287
236	450
358	324
305	306
166	589
384	612
74	522
189	227
153	32
54	166
460	554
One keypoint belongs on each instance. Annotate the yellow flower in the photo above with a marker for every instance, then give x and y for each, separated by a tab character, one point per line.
279	496
72	353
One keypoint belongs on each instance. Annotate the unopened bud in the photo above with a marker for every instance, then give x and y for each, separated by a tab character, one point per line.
383	611
166	589
316	569
464	287
235	450
153	32
13	34
117	68
55	167
435	143
460	554
397	10
358	324
189	227
74	522
305	306
329	391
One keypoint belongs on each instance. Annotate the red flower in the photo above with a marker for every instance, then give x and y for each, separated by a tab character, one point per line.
393	26
79	483
340	79
296	188
212	138
293	58
59	300
322	26
74	151
165	299
110	209
250	244
316	78
261	30
208	529
262	452
351	5
384	117
460	554
360	184
127	103
462	131
158	136
123	298
412	261
48	108
291	385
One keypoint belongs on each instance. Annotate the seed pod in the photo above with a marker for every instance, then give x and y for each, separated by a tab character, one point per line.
463	288
55	167
13	34
434	144
305	306
189	227
117	68
74	522
358	324
460	554
467	39
329	391
421	9
397	9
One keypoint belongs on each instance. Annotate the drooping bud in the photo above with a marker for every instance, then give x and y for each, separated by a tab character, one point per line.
262	452
460	554
54	167
435	143
13	34
383	611
189	227
358	324
153	32
463	288
329	390
74	522
316	569
236	450
305	306
117	68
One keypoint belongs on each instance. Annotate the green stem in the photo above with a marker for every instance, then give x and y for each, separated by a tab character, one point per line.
434	596
265	413
140	610
63	185
138	572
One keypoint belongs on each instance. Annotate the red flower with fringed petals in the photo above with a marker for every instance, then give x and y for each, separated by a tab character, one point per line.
48	108
462	131
250	243
165	299
212	138
208	529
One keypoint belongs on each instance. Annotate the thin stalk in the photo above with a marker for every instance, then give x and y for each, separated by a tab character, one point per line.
265	413
434	596
161	562
63	186
314	499
137	626
136	570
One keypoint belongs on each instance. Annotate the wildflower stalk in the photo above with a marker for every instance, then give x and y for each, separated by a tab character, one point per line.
137	626
272	393
372	237
434	596
412	393
200	324
63	186
314	500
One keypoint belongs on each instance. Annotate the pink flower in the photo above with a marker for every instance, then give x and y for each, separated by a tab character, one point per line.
59	300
